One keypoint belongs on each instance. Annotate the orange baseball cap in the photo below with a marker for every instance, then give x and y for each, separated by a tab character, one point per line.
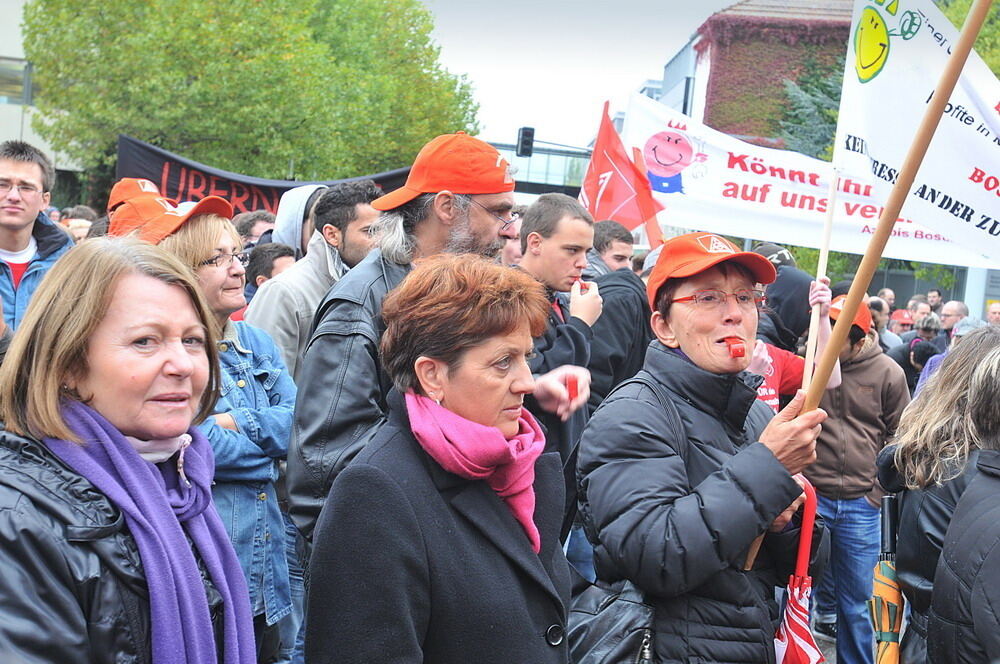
902	316
136	206
692	253
457	163
863	317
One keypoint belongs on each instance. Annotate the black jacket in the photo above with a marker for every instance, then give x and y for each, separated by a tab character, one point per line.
924	516
964	620
72	586
621	334
411	563
341	385
675	509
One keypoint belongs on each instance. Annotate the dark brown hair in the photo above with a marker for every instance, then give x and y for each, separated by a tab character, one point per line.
451	303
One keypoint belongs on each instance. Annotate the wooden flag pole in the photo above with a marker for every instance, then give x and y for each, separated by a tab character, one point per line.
824	256
907	173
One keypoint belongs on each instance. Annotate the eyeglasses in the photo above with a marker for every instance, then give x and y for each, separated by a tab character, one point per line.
25	190
226	259
506	222
746	298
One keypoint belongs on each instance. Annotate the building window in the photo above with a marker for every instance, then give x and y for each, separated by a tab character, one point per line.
15	81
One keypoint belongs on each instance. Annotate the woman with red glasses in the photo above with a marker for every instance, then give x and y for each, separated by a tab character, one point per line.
682	468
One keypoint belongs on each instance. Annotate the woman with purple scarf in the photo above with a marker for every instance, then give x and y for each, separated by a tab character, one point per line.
110	547
439	542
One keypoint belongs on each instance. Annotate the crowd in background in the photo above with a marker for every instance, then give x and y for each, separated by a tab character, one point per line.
402	426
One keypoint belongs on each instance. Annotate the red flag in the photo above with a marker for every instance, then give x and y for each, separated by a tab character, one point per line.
615	188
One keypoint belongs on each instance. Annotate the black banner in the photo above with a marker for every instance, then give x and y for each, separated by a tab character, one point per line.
186	180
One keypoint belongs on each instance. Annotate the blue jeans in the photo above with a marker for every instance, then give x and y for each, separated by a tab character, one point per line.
854	527
292	631
580	553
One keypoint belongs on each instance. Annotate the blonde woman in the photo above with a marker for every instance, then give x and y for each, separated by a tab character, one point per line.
110	548
929	467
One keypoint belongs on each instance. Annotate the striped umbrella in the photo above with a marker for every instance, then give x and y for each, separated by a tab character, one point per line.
794	642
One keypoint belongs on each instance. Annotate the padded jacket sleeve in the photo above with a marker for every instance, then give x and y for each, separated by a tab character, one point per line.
275	309
659	531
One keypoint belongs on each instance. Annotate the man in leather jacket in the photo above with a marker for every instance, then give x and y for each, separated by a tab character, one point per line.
458	199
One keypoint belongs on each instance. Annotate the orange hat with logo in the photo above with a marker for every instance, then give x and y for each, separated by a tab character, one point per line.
136	206
863	317
457	163
687	255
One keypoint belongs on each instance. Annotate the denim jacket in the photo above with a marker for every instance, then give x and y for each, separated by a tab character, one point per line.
259	393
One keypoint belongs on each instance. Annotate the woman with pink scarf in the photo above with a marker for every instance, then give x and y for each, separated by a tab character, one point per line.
439	543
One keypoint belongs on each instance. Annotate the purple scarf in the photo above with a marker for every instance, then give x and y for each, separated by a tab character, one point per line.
159	507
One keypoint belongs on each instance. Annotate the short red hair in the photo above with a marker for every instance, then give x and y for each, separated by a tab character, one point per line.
451	303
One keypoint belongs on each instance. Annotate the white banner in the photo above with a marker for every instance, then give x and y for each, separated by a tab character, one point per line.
897	51
710	181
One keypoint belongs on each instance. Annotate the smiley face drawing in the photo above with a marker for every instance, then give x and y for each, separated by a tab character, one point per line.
871	45
667	153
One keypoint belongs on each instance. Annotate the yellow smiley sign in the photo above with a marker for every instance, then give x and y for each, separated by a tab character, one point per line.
871	45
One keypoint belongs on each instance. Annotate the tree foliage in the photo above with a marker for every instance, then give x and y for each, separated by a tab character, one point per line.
809	125
988	43
331	88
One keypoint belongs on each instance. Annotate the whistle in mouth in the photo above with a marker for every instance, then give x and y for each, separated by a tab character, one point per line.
736	346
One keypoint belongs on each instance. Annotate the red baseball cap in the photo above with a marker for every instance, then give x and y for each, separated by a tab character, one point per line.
136	206
863	317
457	163
902	316
692	253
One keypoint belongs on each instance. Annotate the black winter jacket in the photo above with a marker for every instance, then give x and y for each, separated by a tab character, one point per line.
341	385
676	508
924	516
415	564
621	334
964	621
72	586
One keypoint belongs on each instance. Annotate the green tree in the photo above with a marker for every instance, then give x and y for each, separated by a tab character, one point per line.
809	124
988	43
252	86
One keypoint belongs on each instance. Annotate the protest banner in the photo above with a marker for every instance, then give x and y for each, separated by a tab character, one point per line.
897	50
185	180
709	181
933	113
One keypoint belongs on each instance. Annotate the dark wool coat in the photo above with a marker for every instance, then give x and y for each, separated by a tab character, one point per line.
674	507
411	563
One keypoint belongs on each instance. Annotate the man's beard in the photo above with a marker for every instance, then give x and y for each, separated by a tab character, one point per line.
462	241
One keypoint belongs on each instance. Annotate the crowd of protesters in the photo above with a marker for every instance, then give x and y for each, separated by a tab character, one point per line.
409	426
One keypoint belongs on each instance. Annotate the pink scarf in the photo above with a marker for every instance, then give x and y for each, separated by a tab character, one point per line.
479	452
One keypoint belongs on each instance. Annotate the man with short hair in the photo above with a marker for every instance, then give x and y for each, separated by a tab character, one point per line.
29	243
556	234
267	261
251	225
458	198
612	249
286	305
993	314
934	299
889	296
880	319
951	312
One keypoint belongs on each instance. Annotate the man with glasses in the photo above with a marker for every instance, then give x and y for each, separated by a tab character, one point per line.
458	198
951	312
29	242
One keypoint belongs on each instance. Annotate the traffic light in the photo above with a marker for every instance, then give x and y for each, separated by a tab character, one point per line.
525	141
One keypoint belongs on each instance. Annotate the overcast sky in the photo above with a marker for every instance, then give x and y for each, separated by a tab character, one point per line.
552	64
